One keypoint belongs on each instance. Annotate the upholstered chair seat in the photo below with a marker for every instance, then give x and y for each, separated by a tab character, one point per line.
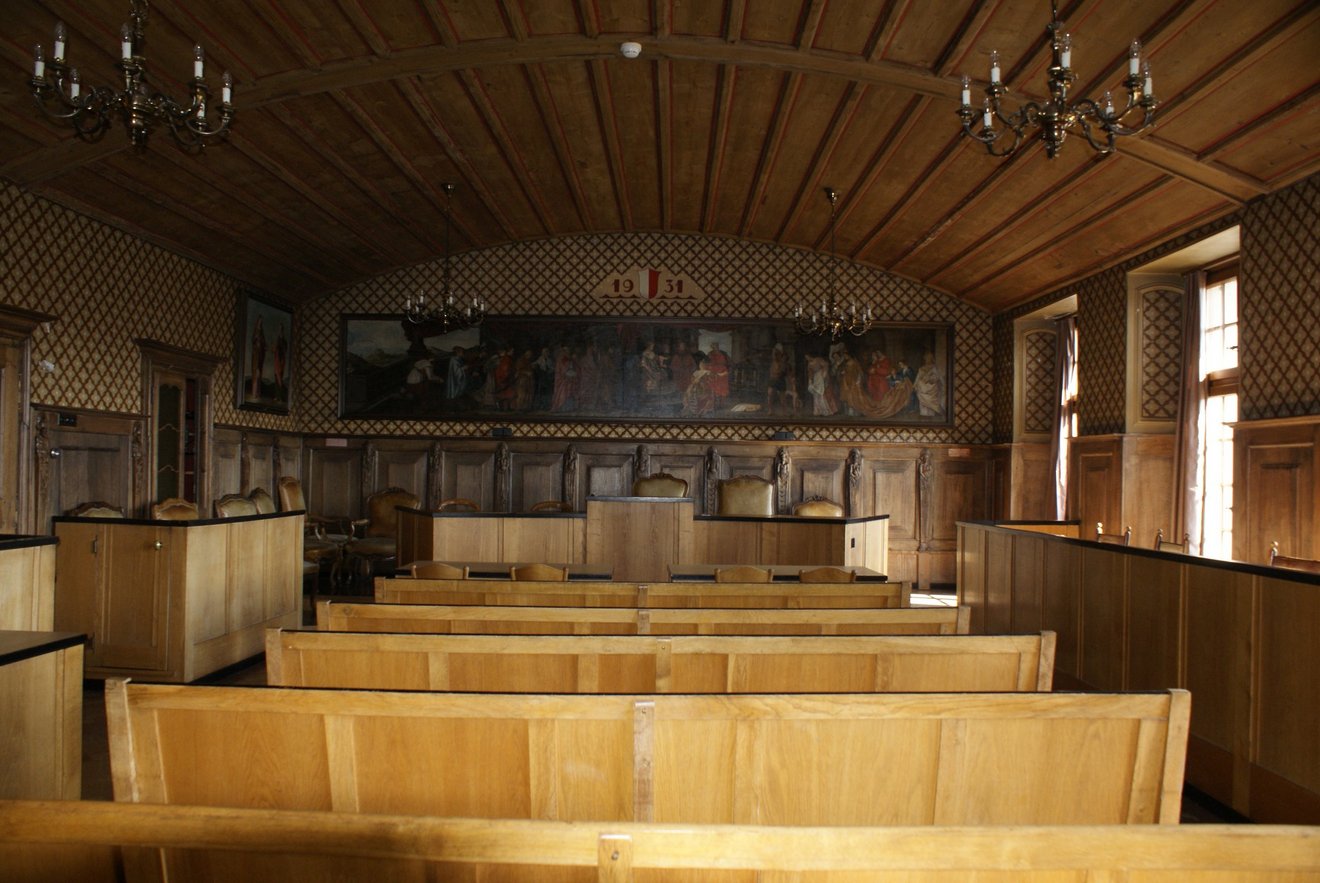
458	504
174	509
234	506
660	484
818	507
552	506
746	495
96	509
378	539
743	573
262	499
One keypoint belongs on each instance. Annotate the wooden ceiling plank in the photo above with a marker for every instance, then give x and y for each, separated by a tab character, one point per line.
886	24
1251	132
588	17
364	26
664	123
843	117
431	119
513	20
442	24
960	43
291	35
609	127
506	144
810	25
771	145
736	16
721	111
921	184
662	19
554	127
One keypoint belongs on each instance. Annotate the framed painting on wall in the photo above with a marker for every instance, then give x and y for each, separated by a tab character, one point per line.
263	373
553	368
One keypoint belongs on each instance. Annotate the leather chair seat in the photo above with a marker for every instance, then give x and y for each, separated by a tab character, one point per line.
747	495
372	547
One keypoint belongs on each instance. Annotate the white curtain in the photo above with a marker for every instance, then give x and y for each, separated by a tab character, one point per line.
1190	464
1065	373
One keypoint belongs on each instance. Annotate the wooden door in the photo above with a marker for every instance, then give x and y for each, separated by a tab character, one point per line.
133	614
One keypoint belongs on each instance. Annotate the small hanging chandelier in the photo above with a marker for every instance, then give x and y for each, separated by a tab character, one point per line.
1099	122
444	314
832	318
60	94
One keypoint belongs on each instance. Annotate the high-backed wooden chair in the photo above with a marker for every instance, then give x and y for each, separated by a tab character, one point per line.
818	507
335	530
457	504
1163	545
552	506
539	573
1115	539
96	509
234	506
1309	565
379	536
174	509
746	495
436	570
742	573
262	499
827	575
660	484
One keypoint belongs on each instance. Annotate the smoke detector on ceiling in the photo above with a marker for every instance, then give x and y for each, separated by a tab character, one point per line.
629	49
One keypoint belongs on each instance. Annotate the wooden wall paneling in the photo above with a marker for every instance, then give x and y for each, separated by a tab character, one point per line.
1148	483
997	616
819	476
1001	483
1285	771
17	503
535	475
1027	592
399	463
259	462
27	587
550	540
1104	583
688	465
467	539
603	473
640	539
1095	489
889	487
1276	488
1031	495
729	542
1155	600
468	471
100	457
972	573
1061	605
333	485
959	490
41	699
288	460
1219	674
226	462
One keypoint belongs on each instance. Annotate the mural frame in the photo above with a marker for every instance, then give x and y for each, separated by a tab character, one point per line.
271	354
644	370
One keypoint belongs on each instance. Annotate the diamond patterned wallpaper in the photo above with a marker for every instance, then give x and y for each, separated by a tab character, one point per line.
1279	304
1161	348
108	288
741	279
1038	381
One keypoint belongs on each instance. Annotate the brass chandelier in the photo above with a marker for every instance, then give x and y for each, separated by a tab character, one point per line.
445	313
832	318
1099	122
60	93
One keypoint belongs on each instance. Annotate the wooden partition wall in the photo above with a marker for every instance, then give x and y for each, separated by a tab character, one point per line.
27	583
1244	639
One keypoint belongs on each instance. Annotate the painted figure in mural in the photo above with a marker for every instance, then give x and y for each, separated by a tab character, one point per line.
566	381
258	366
418	381
681	367
524	382
653	369
852	388
929	387
877	375
905	375
700	399
588	368
823	402
503	379
281	352
543	373
456	377
778	395
717	362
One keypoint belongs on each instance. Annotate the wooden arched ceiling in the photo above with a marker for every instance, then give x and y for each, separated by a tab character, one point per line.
352	112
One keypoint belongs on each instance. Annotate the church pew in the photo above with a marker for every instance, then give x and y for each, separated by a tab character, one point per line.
584	664
87	842
500	620
839	759
606	593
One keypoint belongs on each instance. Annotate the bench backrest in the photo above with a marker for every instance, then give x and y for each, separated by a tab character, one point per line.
841	759
514	620
607	593
584	664
73	840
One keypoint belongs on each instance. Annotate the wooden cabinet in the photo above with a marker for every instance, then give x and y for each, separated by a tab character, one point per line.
27	583
173	601
41	676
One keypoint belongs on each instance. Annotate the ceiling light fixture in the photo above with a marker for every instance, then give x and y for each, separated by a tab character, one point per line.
1099	122
60	94
832	319
445	314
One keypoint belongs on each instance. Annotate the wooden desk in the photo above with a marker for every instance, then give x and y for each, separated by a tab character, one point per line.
779	572
640	536
500	569
27	582
176	600
41	675
491	536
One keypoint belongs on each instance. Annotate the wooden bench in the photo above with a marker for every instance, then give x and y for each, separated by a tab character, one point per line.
605	593
840	759
60	840
478	619
584	664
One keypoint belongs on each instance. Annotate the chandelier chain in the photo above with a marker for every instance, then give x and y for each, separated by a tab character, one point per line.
832	318
444	313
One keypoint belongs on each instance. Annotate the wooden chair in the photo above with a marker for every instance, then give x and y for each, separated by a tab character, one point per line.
818	507
827	575
1309	565
96	509
234	506
326	529
457	504
379	535
743	573
1114	539
262	499
746	495
552	506
174	509
1163	545
436	570
660	484
539	573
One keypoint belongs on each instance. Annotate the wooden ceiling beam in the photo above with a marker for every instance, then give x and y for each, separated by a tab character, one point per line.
735	19
771	146
365	27
587	17
921	184
422	104
839	123
664	126
961	41
603	96
506	144
546	105
810	25
662	19
513	20
719	134
883	31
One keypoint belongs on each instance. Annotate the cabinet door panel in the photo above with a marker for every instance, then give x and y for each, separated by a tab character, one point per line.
134	604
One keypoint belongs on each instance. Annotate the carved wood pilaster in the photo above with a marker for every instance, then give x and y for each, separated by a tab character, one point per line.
923	500
641	462
503	479
244	463
852	491
713	467
783	471
138	455
370	457
435	461
569	491
42	454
